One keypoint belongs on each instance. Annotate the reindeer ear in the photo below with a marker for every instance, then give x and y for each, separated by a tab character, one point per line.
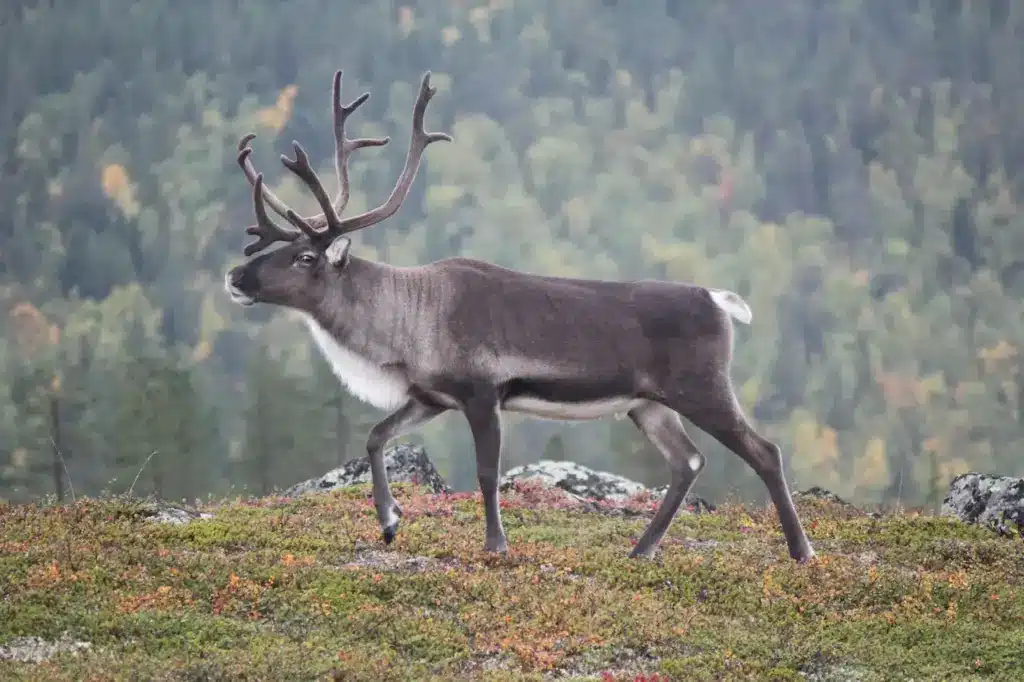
337	252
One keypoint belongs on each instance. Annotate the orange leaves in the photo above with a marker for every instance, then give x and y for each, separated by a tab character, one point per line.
406	21
32	331
163	598
48	575
289	560
278	114
240	595
118	187
898	389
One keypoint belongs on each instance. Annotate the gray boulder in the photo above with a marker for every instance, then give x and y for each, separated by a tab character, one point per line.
38	650
995	502
576	479
160	511
404	463
584	482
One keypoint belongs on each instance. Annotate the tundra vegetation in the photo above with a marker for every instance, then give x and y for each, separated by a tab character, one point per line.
282	588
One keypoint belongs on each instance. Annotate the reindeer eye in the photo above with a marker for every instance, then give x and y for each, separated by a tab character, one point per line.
305	258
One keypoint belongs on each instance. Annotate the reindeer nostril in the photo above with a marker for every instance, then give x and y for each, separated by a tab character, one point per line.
236	276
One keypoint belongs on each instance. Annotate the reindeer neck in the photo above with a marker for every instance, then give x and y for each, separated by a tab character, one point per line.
367	308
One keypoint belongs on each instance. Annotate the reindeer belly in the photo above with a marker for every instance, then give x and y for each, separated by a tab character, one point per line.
382	388
571	411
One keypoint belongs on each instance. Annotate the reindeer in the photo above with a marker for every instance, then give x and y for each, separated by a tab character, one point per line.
467	335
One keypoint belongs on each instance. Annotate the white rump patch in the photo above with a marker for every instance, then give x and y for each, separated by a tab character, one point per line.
586	411
732	303
384	389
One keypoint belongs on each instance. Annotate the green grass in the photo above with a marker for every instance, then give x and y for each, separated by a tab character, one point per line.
279	589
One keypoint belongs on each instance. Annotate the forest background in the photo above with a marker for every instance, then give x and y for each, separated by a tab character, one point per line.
854	169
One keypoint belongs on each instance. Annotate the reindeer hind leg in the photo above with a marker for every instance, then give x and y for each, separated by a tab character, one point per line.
719	414
664	429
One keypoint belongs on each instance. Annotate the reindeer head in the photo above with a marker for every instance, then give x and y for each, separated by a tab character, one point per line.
314	256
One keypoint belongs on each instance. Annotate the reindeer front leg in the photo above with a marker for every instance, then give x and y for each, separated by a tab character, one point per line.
485	423
410	415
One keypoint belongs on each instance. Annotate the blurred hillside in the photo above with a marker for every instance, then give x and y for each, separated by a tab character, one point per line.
854	169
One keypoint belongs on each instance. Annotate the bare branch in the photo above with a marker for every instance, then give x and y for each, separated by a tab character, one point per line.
132	487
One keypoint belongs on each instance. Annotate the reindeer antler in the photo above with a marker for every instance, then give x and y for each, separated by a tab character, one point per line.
328	224
417	144
266	229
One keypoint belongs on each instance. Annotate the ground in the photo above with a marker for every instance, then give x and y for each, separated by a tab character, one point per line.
294	589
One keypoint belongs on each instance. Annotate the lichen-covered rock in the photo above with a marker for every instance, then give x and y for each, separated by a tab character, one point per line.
576	479
404	463
38	650
160	511
691	502
589	484
819	493
995	502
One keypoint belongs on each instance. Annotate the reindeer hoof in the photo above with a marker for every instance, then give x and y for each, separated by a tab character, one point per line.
390	532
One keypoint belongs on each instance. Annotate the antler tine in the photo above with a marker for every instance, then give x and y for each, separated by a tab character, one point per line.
342	146
266	229
300	166
244	150
418	142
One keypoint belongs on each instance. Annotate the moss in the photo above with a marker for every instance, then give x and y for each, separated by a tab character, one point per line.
303	589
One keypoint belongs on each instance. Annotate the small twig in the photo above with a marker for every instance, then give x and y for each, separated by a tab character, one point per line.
132	487
71	485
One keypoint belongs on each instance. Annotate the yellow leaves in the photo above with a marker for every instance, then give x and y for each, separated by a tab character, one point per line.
202	351
873	465
750	391
770	590
810	436
766	238
929	387
118	187
958	580
993	356
277	115
951	468
450	35
211	323
815	450
444	198
682	260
